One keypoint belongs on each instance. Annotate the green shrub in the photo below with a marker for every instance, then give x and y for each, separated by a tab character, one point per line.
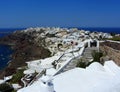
96	56
5	87
115	38
81	64
17	77
14	91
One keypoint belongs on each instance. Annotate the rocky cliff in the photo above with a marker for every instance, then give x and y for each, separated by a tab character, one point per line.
26	48
111	50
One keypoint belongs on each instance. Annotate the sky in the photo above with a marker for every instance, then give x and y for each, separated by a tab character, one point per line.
59	13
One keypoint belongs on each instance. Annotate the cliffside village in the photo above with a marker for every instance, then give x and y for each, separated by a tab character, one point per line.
58	73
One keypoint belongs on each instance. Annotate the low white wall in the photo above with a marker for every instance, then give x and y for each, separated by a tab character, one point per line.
61	69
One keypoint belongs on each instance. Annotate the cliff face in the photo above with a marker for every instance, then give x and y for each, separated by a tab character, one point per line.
111	50
26	48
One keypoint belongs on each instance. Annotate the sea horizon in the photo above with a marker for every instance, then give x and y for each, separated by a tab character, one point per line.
92	29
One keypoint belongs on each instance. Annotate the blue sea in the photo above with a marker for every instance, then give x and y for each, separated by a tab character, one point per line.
6	51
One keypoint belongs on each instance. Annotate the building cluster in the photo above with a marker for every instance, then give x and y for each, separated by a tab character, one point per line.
57	39
65	46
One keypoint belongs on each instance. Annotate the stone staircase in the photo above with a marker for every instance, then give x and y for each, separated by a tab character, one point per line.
87	55
71	65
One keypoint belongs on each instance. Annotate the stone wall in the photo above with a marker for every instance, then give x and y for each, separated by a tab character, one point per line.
110	53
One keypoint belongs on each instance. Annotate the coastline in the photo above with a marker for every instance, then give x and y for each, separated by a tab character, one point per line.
28	45
25	49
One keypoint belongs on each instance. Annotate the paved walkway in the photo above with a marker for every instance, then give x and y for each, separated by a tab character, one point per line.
71	65
86	55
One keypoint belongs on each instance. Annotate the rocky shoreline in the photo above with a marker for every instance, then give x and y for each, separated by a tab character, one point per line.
26	48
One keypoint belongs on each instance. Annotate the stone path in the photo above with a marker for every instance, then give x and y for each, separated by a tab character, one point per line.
86	55
71	65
